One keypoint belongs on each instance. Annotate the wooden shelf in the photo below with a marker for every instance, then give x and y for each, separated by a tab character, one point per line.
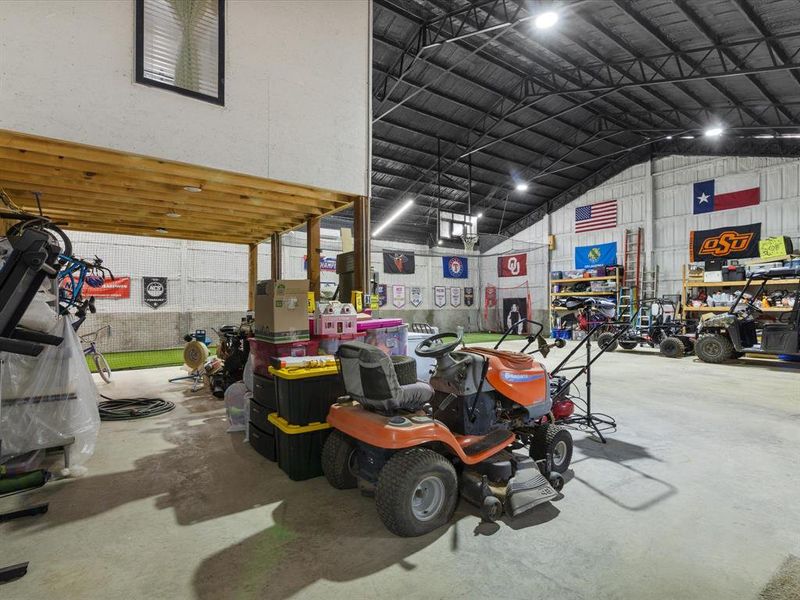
606	278
694	284
726	308
611	293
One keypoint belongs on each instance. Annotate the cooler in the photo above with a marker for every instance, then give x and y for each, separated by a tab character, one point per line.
299	447
392	340
304	395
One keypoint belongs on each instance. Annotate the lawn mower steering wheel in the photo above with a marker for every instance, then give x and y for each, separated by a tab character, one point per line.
426	348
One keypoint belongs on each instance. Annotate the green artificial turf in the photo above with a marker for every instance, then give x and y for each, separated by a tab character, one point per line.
148	359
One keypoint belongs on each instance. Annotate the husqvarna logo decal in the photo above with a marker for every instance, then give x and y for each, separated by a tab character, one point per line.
512	377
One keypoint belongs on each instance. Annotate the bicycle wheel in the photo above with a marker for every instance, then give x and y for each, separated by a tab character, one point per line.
102	367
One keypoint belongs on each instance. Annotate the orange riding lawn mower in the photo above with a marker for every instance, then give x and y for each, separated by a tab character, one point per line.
415	447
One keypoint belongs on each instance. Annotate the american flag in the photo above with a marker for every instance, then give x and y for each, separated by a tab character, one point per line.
602	215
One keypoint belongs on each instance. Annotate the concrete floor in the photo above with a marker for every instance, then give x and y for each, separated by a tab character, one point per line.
695	496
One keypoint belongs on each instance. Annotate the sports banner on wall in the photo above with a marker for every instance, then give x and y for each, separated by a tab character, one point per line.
398	296
118	288
416	296
326	263
382	294
154	291
455	267
489	300
398	263
514	265
469	296
739	241
455	296
596	255
439	296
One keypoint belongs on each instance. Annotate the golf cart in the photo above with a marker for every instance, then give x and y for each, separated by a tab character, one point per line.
653	325
416	447
730	335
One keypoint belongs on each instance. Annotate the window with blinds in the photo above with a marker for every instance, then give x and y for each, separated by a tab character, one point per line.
180	46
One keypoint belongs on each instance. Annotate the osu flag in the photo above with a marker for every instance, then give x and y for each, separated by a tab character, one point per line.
740	241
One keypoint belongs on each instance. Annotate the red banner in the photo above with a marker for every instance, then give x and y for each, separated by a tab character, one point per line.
118	288
514	265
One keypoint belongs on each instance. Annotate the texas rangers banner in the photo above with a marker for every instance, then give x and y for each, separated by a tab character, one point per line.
469	296
596	255
398	296
455	267
398	263
455	296
740	241
439	296
416	296
382	294
514	265
723	193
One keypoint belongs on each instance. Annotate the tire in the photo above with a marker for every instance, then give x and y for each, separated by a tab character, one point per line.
714	348
672	347
102	367
491	509
556	440
417	492
405	367
606	341
338	455
628	345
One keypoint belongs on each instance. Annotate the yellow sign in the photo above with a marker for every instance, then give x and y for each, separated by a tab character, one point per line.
312	305
357	300
773	247
373	302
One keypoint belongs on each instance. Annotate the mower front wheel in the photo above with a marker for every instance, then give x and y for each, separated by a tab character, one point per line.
629	345
607	342
555	440
672	347
338	461
714	348
417	492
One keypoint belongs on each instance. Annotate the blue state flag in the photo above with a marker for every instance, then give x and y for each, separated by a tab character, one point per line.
596	255
455	267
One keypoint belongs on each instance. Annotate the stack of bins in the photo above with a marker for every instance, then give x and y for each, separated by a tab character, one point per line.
303	397
390	335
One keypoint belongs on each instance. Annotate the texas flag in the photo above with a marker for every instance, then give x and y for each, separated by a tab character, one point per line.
733	191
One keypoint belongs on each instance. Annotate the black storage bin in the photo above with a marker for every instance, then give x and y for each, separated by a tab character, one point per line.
307	399
263	440
733	273
264	392
300	447
259	415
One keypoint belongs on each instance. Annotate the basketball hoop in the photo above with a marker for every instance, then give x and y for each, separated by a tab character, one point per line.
469	239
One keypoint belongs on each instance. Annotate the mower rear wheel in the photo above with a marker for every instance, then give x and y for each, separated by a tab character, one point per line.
628	345
417	492
607	342
491	509
714	348
671	347
338	461
555	440
405	367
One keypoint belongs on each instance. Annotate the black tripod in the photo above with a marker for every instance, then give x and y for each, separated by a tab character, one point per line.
588	418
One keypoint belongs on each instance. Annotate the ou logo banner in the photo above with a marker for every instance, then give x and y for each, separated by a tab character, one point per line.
514	265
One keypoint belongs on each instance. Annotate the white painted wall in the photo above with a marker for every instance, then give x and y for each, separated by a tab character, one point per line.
671	179
297	88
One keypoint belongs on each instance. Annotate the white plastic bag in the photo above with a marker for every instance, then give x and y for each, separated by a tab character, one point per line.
237	406
48	399
247	376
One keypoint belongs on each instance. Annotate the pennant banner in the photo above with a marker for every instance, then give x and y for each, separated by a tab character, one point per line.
515	265
398	296
740	241
455	296
469	296
455	267
596	255
382	294
398	263
154	291
416	296
439	296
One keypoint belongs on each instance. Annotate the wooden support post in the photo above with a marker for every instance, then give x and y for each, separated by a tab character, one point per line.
276	271
313	253
252	275
361	246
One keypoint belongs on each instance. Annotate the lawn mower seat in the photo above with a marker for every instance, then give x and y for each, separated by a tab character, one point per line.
370	380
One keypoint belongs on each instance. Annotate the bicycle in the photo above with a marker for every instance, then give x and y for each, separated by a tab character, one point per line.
100	361
76	273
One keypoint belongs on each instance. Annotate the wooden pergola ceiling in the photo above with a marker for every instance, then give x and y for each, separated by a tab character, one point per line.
86	188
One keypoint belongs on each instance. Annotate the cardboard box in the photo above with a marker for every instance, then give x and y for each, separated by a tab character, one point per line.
281	313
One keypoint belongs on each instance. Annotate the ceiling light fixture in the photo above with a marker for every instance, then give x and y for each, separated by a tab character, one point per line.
546	20
713	132
161	230
669	137
687	137
522	187
480	216
764	137
392	218
173	215
193	188
439	242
